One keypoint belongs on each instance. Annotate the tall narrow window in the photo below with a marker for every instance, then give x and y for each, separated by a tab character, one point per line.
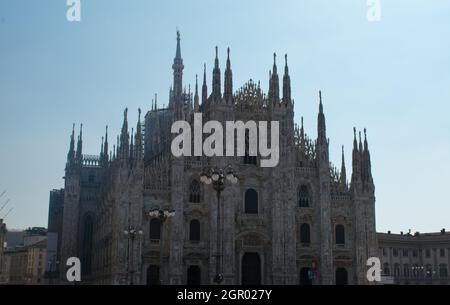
251	202
386	269
194	230
443	273
247	158
406	270
305	234
155	229
340	235
194	195
303	197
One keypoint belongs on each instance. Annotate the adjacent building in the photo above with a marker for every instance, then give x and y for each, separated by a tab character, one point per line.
420	258
24	264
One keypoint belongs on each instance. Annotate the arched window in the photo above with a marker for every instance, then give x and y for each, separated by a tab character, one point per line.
443	273
303	197
88	234
194	195
340	235
251	201
194	230
305	276
194	275
251	269
386	269
305	235
153	275
155	229
341	276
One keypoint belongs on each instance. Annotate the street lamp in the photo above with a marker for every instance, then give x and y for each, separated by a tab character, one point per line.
131	232
162	215
217	177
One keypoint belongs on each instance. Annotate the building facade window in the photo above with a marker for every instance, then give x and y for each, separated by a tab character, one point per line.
194	230
155	229
341	276
340	235
443	272
303	197
247	158
251	202
406	270
429	271
405	252
194	195
427	253
386	269
442	252
396	270
395	252
305	234
414	252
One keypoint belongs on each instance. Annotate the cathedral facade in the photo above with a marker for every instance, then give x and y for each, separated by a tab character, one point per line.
300	222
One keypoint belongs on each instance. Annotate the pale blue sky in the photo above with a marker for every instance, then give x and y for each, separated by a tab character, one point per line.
391	76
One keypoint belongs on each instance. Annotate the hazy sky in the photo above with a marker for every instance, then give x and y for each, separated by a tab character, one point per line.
391	76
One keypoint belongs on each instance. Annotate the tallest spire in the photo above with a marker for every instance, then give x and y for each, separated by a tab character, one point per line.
178	54
178	70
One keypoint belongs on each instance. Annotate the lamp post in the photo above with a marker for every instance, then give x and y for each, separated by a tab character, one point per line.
217	177
162	215
131	232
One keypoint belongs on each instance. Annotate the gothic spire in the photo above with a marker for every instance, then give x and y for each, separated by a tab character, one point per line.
321	128
343	177
124	137
105	147
228	85
178	70
138	140
80	145
196	102
131	155
216	91
204	86
286	82
355	158
367	157
71	153
275	91
302	136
